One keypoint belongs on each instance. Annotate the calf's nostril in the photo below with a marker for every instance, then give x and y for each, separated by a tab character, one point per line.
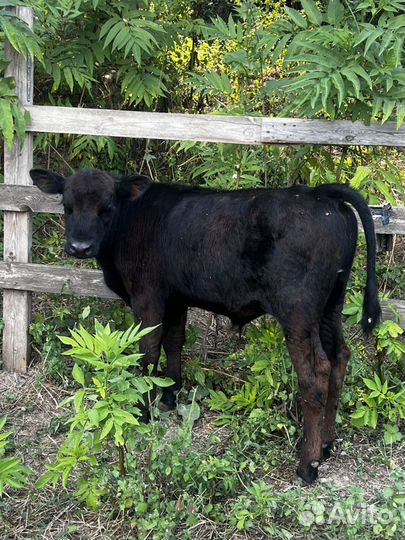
79	248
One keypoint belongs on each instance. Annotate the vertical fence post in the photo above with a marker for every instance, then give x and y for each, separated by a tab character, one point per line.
18	225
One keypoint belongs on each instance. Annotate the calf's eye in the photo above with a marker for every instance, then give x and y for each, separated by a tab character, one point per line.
105	210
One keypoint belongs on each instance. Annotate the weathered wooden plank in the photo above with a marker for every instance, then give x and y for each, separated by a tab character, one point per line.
54	279
29	198
17	225
211	128
339	132
41	278
399	305
23	198
169	126
395	226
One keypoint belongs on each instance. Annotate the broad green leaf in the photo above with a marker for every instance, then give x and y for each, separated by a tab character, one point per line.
121	39
279	48
296	17
66	473
339	85
370	384
10	32
360	175
88	339
67	72
317	59
312	11
386	41
107	428
78	399
316	95
142	384
94	416
7	464
126	416
325	90
114	28
118	436
389	83
78	374
19	122
373	418
162	382
364	34
298	83
377	106
67	341
6	122
353	78
383	189
371	38
146	331
77	337
3	437
400	113
86	311
45	479
335	12
190	412
362	73
388	107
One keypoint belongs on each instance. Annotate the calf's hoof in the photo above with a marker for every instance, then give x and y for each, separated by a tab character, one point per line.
144	418
167	401
327	449
309	473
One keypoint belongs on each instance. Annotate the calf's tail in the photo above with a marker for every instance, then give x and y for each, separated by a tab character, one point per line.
371	305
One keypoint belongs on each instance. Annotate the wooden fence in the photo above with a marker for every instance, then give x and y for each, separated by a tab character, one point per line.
18	198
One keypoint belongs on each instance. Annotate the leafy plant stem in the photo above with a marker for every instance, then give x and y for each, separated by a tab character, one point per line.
341	163
121	460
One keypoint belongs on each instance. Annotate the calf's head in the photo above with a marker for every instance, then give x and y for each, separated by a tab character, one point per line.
91	200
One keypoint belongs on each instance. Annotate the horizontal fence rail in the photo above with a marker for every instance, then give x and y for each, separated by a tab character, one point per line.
30	198
40	278
211	128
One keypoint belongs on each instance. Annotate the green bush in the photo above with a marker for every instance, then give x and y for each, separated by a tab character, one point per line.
106	407
12	472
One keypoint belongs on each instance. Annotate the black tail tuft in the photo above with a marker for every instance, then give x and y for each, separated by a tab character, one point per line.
371	310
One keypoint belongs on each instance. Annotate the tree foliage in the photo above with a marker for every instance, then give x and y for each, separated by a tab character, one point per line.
344	63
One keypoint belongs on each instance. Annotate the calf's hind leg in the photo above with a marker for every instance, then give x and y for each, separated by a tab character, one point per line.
338	354
313	369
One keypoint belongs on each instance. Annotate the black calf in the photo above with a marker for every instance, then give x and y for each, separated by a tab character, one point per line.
287	252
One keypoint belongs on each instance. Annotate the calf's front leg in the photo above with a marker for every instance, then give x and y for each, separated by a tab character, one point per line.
174	331
150	314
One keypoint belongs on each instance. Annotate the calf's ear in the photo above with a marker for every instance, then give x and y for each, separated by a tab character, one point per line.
132	187
47	181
